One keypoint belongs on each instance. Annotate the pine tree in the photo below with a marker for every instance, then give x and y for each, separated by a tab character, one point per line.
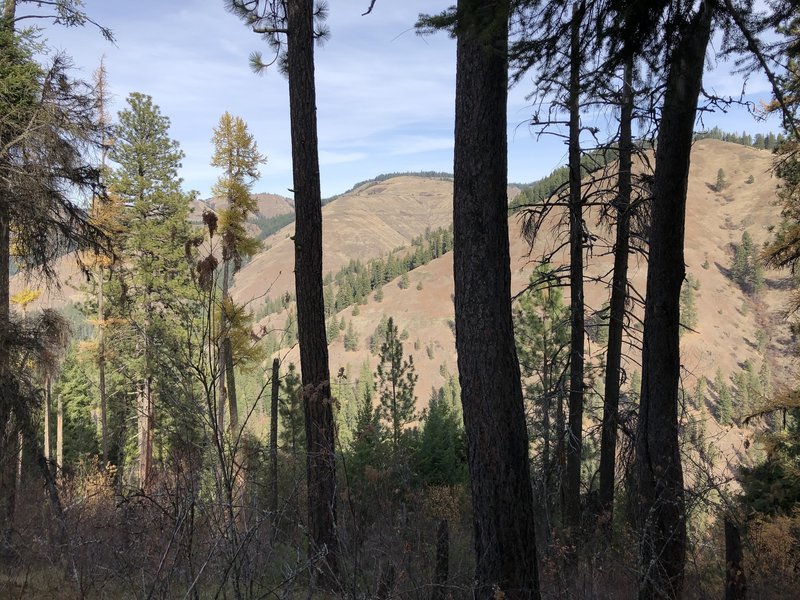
350	338
153	280
293	433
688	307
722	182
725	402
541	328
441	455
747	270
396	381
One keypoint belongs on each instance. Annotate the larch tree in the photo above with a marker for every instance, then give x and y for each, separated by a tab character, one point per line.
236	153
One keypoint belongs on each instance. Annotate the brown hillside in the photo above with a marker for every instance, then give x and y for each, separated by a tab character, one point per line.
727	319
369	222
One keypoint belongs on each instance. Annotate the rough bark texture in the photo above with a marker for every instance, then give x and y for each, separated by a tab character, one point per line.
59	434
7	427
619	294
442	573
317	405
662	518
48	405
272	503
572	487
735	580
491	393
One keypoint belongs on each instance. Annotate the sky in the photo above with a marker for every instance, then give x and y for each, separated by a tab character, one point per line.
385	96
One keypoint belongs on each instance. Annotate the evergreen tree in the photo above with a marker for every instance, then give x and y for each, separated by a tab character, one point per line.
725	402
350	338
75	390
688	307
541	328
332	330
152	288
721	182
747	270
290	409
396	381
441	455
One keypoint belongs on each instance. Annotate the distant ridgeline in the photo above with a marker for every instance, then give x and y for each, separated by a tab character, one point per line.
760	141
542	189
385	176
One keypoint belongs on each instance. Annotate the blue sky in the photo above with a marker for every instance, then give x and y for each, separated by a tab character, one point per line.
385	96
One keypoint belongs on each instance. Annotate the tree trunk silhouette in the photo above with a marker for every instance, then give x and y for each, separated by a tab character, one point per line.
272	503
572	482
442	561
317	404
7	422
619	295
735	580
491	392
661	512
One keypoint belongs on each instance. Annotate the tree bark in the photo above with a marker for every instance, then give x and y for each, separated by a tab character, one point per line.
491	392
735	580
660	476
317	402
48	403
442	561
7	420
619	295
59	433
101	365
572	484
272	503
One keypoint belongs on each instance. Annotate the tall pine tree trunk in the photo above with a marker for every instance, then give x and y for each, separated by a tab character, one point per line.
272	503
491	392
317	402
572	486
662	518
48	405
619	295
7	420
